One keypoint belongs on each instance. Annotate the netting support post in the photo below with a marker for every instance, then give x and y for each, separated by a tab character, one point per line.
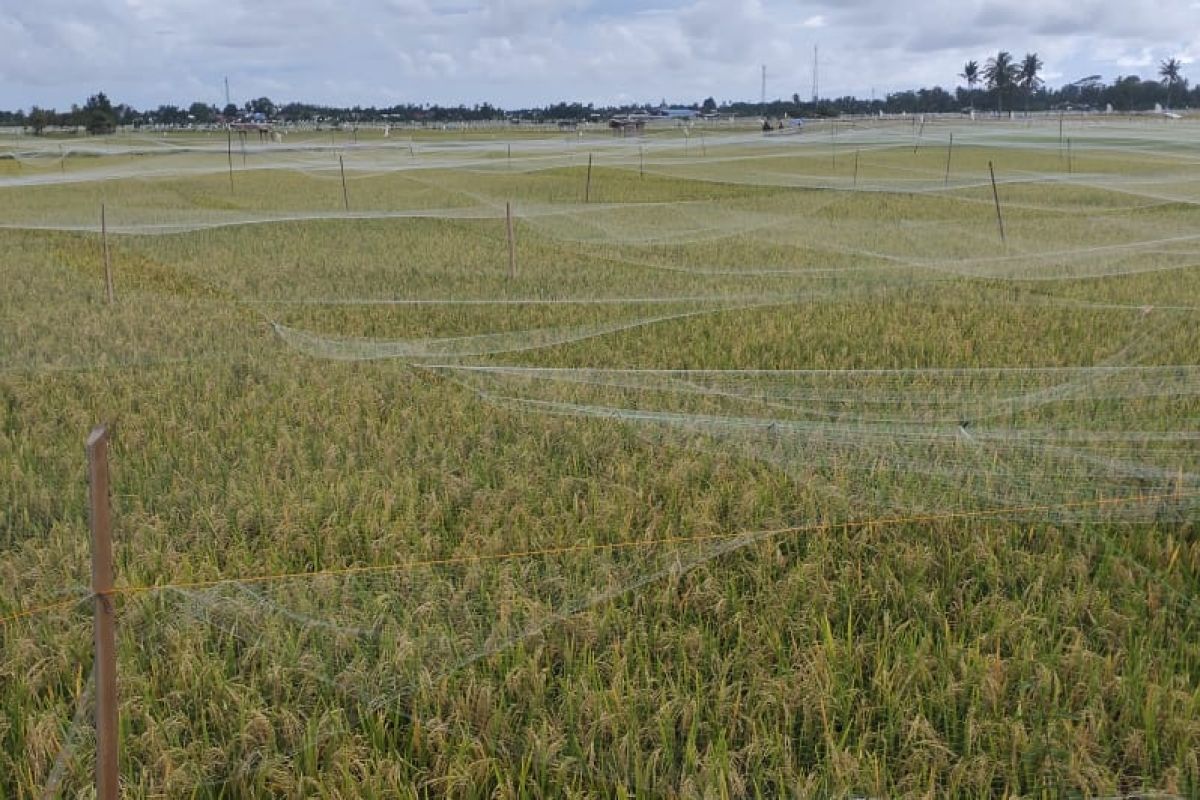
512	242
108	278
345	194
949	156
107	782
587	189
229	154
996	197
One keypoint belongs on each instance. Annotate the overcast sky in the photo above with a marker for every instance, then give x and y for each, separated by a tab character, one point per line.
531	52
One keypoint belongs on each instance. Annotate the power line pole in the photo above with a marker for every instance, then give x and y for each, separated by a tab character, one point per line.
816	64
764	84
227	91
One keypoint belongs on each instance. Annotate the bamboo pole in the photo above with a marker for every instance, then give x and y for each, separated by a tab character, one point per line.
996	196
345	194
587	189
949	155
108	278
107	779
512	242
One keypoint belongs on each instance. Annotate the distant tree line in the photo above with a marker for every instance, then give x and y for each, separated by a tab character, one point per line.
1001	84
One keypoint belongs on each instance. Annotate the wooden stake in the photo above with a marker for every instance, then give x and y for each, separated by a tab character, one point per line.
345	195
512	242
108	279
996	195
587	189
949	155
107	780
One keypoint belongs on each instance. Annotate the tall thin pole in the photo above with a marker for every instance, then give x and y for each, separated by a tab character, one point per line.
229	154
856	153
108	279
919	133
1070	162
510	155
996	196
242	140
345	195
587	189
642	162
949	155
107	783
512	242
816	65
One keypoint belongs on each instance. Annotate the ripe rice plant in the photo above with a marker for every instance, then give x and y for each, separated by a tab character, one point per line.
760	478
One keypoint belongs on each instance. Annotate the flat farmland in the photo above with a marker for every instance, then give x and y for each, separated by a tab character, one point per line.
809	464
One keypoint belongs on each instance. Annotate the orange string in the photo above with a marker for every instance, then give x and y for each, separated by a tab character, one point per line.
595	547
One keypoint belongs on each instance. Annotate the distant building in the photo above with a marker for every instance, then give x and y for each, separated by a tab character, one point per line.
634	125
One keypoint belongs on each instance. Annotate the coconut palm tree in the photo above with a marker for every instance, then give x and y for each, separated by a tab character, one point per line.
1028	77
970	74
1001	74
1169	71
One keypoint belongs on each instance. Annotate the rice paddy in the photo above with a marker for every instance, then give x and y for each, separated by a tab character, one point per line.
772	471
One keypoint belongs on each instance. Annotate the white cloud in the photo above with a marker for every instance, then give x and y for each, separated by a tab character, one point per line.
517	52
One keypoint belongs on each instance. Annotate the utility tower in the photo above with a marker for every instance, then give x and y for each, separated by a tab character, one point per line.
816	67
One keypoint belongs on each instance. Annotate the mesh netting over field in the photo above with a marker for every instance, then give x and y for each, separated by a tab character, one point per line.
767	464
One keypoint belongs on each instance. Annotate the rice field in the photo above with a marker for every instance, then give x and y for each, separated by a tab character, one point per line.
773	471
